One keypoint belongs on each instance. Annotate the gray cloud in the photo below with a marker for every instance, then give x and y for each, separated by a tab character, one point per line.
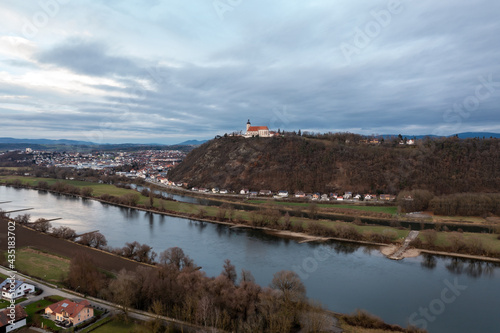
279	64
88	58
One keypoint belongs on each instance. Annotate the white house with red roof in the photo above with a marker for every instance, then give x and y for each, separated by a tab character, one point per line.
73	312
261	131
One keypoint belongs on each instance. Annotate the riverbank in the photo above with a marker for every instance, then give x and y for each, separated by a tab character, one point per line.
305	226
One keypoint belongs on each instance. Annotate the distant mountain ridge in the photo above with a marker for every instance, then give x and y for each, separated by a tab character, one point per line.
48	142
8	140
464	135
192	143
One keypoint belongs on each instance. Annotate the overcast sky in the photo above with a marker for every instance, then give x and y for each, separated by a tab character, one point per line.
149	71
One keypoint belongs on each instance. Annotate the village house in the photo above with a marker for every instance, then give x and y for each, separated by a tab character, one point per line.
300	194
19	319
244	191
16	289
253	131
387	197
283	194
71	312
370	197
265	192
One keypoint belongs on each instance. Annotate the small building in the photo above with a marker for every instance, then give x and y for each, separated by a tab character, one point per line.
15	290
370	197
283	194
387	197
223	191
300	194
10	321
265	192
244	191
340	198
70	312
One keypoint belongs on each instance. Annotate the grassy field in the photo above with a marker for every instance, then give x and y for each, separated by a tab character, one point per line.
489	241
4	303
46	266
33	308
379	209
115	326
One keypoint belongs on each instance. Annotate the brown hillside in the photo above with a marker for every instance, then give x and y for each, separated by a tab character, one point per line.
327	163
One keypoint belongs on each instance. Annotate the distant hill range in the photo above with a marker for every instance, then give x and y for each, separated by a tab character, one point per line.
343	162
47	142
85	146
192	143
465	135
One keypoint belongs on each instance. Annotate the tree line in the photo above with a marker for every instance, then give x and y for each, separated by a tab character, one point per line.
234	302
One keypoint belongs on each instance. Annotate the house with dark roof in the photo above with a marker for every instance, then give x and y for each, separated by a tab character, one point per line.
70	312
12	319
13	290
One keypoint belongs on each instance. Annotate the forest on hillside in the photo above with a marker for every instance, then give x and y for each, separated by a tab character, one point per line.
343	162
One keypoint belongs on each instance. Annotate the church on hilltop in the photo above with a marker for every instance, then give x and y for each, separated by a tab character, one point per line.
260	131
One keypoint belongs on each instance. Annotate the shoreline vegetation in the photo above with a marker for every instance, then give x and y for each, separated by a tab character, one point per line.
269	219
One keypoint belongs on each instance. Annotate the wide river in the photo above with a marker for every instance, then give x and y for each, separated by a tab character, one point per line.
443	294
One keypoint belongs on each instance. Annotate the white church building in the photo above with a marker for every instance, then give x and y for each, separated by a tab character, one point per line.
253	131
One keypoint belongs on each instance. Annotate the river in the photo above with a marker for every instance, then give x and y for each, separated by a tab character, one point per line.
447	295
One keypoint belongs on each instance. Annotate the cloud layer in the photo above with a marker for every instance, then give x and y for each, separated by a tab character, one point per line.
164	71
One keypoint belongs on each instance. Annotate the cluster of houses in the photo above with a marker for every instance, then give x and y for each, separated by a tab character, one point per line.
300	194
65	313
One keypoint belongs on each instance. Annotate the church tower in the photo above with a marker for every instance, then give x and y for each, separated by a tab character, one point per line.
248	124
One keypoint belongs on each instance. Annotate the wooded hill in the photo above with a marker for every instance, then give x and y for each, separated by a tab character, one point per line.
343	162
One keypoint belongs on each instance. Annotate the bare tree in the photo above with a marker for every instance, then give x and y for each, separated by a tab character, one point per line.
291	287
123	290
41	225
23	219
175	257
95	239
229	271
64	232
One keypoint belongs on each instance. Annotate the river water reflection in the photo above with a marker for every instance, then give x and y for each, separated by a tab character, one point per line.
341	276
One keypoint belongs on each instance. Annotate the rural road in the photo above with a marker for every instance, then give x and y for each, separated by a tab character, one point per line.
50	290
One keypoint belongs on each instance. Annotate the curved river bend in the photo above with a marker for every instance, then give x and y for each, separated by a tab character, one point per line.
448	295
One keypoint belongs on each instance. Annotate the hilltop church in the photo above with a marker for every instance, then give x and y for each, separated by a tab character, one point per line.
261	131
